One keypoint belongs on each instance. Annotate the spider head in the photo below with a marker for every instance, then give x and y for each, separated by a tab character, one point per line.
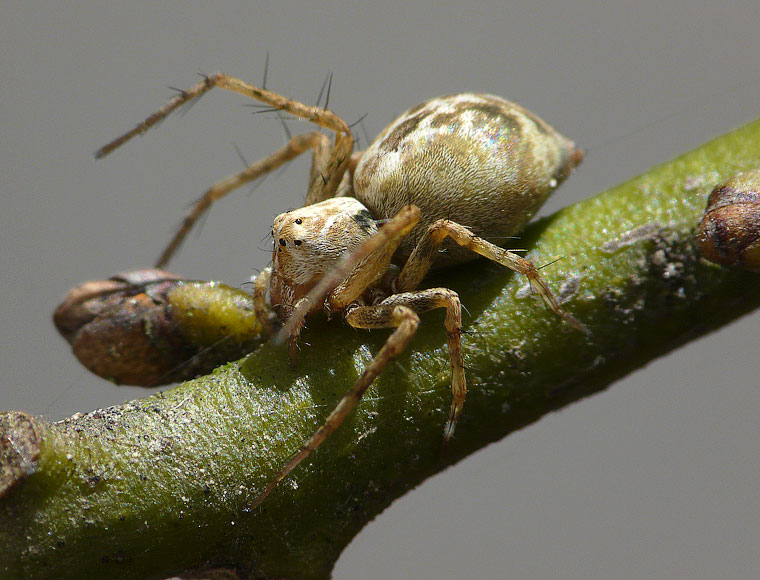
309	241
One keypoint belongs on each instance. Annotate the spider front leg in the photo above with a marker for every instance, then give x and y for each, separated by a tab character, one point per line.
422	301
406	322
423	256
316	115
317	142
264	313
328	164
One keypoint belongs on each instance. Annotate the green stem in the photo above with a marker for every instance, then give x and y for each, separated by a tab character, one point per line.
158	485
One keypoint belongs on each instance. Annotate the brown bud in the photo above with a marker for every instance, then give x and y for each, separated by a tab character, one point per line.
133	328
90	299
729	233
113	326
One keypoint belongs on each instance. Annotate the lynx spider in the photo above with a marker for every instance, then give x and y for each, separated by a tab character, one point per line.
466	167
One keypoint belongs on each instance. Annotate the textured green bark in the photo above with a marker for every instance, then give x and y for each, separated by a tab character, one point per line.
159	485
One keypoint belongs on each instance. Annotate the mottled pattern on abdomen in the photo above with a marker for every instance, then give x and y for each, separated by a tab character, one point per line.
476	159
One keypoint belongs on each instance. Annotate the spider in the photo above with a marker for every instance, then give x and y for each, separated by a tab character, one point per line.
434	187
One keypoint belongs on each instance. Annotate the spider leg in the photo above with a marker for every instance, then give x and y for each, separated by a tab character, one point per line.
317	142
406	322
316	115
423	255
421	301
329	164
346	186
264	313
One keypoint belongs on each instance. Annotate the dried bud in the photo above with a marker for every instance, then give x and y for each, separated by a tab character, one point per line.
86	302
729	233
150	327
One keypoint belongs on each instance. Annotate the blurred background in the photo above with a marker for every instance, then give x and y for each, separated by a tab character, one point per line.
654	478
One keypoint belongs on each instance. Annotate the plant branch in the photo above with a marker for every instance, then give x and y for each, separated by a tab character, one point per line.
159	485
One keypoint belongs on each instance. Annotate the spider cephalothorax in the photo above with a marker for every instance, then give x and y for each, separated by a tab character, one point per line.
309	242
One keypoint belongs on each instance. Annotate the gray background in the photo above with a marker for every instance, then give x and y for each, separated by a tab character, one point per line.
655	478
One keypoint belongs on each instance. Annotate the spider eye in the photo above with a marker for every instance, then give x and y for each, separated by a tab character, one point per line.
297	242
299	221
282	242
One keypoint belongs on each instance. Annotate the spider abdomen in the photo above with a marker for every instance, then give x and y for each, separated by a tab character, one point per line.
476	159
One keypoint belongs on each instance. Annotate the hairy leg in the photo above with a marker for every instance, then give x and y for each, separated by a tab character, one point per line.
424	254
316	115
264	313
328	167
317	142
406	322
421	301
